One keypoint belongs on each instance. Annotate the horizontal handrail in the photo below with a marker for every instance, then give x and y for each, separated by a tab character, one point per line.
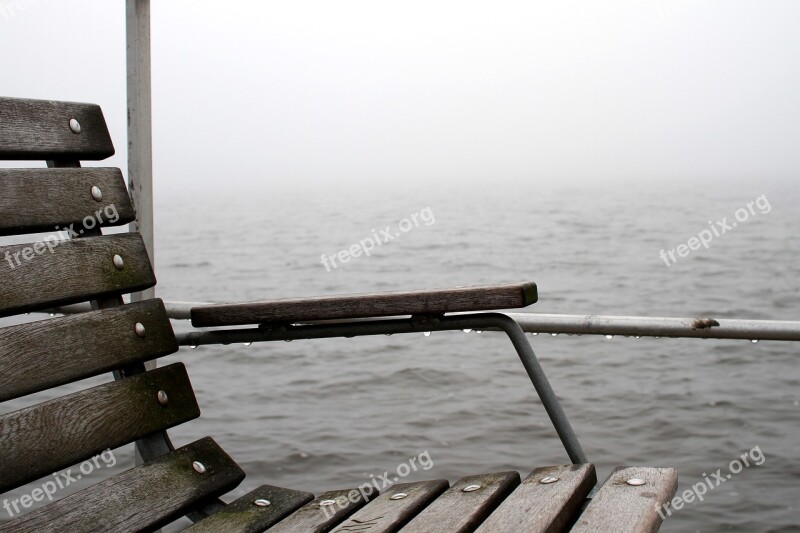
633	326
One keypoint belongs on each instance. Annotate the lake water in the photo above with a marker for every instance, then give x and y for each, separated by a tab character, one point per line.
320	415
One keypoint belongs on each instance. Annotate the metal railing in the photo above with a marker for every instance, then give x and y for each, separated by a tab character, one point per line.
514	325
631	326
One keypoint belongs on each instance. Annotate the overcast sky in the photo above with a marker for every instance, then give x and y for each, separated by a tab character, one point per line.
301	92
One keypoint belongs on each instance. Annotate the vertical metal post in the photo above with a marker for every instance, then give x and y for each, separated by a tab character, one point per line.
140	134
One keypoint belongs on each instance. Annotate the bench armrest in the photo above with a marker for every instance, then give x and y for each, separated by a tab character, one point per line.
436	301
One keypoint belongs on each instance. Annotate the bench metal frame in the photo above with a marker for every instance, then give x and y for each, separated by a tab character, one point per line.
415	324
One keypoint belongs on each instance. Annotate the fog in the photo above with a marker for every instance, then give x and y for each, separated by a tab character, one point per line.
304	93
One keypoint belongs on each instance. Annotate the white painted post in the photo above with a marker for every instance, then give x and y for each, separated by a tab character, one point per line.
140	134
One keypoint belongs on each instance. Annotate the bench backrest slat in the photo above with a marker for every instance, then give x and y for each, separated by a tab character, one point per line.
76	270
142	498
47	437
40	199
43	354
40	130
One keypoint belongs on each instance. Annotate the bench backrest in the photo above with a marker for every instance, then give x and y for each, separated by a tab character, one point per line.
77	265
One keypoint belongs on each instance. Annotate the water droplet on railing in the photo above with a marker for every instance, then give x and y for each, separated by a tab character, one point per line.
554	334
609	337
478	331
466	330
637	337
535	333
247	343
193	346
287	340
427	333
754	341
52	314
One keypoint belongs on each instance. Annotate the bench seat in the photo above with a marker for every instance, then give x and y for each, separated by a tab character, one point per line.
550	499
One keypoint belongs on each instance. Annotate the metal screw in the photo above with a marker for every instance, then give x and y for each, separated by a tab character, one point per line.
199	467
398	496
74	125
636	482
262	503
471	488
547	480
118	262
326	503
139	329
97	194
163	399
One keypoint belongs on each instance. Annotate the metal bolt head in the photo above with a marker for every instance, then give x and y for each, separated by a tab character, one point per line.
199	467
97	194
262	503
163	399
547	480
139	329
636	482
74	125
398	496
327	503
118	262
471	488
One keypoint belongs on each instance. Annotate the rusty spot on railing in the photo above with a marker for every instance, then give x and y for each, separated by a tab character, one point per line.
704	323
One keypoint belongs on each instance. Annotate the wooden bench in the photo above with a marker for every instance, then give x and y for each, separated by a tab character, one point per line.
140	406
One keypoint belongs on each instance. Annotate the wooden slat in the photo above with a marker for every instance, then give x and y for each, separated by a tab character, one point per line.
140	499
385	515
245	516
620	507
40	355
40	130
41	439
457	511
368	305
75	271
536	506
39	199
317	518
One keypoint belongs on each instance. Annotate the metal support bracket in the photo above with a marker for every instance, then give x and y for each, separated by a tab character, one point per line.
415	324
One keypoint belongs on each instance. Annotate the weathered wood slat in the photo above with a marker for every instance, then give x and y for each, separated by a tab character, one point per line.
437	301
76	270
385	514
457	511
621	507
537	506
314	517
40	130
140	499
40	355
254	512
39	199
41	439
